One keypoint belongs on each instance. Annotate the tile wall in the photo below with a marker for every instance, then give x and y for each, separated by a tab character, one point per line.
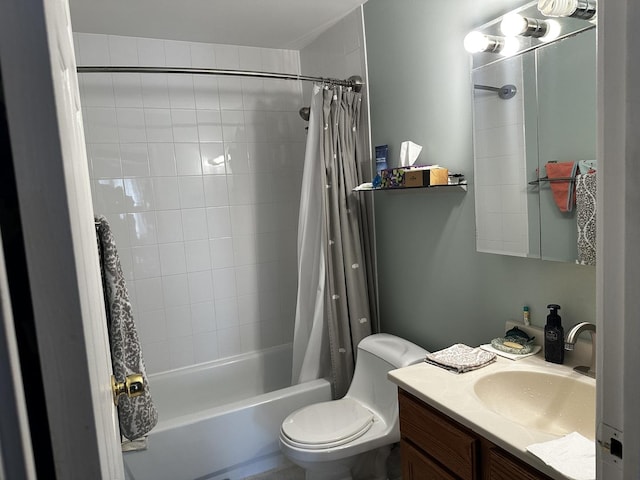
199	177
502	223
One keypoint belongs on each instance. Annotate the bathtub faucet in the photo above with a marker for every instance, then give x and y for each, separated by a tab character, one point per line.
572	338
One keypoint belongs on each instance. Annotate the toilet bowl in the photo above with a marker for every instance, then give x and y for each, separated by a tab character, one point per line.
351	437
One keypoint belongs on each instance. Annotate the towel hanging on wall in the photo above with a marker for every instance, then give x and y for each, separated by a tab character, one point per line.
562	175
586	218
137	415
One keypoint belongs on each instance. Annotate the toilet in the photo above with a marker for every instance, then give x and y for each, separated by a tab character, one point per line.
343	439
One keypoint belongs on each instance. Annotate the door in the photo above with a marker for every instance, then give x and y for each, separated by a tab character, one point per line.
51	176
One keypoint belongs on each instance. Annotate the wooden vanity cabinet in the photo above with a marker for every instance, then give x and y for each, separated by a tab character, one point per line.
435	447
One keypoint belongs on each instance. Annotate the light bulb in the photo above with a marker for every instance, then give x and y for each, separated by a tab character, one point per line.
513	24
510	47
553	31
476	42
557	8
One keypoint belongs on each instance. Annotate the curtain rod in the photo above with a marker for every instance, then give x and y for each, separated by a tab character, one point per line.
354	81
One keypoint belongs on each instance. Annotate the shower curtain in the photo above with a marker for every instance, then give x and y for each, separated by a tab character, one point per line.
333	311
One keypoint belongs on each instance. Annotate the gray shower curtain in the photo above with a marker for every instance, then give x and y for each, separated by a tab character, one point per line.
339	286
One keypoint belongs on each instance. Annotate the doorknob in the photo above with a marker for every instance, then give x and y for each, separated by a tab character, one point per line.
133	386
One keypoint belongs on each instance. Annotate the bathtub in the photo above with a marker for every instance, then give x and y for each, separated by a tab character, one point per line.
221	420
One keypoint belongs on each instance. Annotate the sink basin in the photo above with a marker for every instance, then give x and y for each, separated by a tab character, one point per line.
549	403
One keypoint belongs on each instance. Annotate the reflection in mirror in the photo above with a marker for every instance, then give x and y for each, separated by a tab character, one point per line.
547	129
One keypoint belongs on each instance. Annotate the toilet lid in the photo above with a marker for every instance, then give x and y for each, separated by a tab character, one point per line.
327	424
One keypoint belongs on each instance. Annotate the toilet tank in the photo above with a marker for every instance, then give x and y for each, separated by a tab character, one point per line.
377	355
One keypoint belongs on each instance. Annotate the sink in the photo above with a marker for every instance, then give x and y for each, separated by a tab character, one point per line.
546	402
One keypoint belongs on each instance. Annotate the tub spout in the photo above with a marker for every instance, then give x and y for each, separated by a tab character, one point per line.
570	341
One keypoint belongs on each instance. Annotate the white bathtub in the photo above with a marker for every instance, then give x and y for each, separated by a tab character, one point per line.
221	420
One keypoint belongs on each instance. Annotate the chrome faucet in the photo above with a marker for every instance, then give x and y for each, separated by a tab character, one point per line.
570	341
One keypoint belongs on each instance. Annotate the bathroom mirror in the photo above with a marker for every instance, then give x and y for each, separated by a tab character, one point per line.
549	117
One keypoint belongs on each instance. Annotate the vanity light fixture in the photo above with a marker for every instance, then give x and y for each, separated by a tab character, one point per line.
514	24
583	9
476	42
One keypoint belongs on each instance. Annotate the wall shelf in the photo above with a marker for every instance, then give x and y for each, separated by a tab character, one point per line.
461	186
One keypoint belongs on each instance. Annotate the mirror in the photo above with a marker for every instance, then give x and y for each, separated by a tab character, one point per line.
540	111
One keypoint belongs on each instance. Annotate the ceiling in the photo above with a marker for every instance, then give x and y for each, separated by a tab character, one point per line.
289	24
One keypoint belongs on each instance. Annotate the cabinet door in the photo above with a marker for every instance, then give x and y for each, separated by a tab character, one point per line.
417	466
503	466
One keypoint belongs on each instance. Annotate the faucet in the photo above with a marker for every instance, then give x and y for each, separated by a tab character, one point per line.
570	341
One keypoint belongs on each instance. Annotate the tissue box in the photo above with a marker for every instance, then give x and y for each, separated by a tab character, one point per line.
392	177
417	177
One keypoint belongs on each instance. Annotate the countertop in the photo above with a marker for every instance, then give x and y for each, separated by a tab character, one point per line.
453	394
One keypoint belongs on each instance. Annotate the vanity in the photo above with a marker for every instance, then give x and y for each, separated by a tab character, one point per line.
477	425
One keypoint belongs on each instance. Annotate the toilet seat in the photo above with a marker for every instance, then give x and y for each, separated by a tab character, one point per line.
327	424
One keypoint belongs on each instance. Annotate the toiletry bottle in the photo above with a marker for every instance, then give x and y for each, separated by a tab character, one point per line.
553	336
525	315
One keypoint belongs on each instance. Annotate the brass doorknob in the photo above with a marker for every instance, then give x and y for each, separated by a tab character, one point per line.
133	386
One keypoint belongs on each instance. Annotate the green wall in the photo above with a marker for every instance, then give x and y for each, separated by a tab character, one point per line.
434	288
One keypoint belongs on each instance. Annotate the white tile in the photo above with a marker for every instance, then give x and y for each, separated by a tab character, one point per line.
151	52
203	317
273	60
185	127
178	54
250	337
221	252
172	258
243	219
236	157
94	49
248	309
194	224
267	217
197	255
227	57
219	222
149	294
181	351
108	196
291	61
256	128
255	278
181	94
224	283
151	326
139	194
142	228
131	127
103	125
245	249
243	188
146	263
158	124
254	96
175	290
200	287
205	347
162	162
250	58
203	55
127	90
206	92
178	321
209	125
155	90
97	90
155	357
229	342
188	159
135	159
166	193
233	126
169	225
230	93
227	313
213	158
105	160
191	192
123	50
215	191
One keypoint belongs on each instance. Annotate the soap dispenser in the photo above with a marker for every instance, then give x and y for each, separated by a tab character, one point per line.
553	336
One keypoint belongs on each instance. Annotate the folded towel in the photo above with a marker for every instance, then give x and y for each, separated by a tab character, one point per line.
460	358
586	218
573	455
511	356
563	190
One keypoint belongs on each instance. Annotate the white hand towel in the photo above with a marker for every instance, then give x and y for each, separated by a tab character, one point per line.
573	455
510	356
460	358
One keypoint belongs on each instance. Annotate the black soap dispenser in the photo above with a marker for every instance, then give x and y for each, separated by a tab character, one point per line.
553	336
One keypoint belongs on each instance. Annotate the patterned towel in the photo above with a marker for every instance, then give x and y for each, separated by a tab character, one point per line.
586	213
460	358
137	415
